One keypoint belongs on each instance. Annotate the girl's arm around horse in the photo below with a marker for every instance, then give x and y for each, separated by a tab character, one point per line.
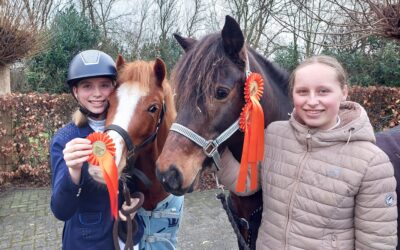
375	210
228	174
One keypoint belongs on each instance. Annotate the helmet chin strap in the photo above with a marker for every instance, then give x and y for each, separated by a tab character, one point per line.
88	113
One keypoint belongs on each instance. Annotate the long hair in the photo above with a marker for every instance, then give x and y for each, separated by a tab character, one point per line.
79	119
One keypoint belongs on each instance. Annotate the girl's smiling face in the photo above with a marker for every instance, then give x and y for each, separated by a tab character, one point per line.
317	94
93	93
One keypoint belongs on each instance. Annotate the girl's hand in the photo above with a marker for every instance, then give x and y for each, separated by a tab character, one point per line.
76	152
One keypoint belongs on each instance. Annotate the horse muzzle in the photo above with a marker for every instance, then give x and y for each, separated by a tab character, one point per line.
172	180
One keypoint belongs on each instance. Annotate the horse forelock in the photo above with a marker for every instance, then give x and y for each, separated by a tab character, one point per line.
194	74
193	77
140	73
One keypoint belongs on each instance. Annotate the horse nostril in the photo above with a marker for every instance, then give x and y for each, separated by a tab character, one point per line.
171	179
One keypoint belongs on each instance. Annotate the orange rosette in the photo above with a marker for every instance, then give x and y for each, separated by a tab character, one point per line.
103	152
251	122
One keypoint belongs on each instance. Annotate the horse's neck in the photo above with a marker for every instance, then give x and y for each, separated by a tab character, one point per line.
275	100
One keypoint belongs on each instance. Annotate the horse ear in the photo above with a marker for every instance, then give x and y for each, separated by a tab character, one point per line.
120	62
185	42
160	70
232	36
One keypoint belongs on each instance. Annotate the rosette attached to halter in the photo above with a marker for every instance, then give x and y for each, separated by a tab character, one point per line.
103	156
251	122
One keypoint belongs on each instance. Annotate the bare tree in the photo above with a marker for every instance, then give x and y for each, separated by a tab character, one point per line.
167	17
103	13
135	35
298	18
39	12
355	20
195	17
255	17
213	16
19	38
88	9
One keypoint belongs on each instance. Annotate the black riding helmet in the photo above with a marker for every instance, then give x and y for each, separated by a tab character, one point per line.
91	63
88	64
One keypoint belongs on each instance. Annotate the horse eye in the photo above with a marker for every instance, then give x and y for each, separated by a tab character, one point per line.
152	109
221	93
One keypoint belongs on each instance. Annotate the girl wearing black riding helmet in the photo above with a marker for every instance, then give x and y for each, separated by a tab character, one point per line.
78	200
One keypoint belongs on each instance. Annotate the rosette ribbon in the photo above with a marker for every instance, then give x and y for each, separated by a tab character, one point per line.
251	122
103	156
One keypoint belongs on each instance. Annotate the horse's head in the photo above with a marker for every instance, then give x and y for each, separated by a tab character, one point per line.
208	80
137	107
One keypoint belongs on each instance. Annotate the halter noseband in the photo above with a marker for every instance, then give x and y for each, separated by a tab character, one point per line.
133	150
210	147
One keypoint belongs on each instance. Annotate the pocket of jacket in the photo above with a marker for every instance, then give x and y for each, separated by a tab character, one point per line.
334	242
90	219
90	229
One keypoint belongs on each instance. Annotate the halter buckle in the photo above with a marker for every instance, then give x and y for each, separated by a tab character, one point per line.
210	148
130	154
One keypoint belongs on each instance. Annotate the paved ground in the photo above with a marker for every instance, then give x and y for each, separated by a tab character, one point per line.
26	222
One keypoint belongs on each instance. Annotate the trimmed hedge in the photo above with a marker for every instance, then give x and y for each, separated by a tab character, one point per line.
381	103
28	122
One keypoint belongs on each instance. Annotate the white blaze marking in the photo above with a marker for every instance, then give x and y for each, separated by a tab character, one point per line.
128	97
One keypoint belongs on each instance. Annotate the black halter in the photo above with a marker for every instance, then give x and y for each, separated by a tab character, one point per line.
133	150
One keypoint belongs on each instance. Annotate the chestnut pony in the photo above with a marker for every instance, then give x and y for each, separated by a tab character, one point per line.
209	83
140	114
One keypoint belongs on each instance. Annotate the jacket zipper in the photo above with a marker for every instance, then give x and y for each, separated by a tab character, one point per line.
301	166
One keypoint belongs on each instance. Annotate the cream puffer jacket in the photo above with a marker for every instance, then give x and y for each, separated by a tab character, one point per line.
327	189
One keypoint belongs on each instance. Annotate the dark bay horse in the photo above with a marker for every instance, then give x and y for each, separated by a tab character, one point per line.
389	142
209	83
140	114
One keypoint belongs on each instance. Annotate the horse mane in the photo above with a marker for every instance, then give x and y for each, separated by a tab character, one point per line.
281	76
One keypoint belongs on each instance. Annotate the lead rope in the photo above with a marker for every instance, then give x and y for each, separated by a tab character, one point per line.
222	197
130	209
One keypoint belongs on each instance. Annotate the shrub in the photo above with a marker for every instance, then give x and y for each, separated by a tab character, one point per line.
376	61
36	117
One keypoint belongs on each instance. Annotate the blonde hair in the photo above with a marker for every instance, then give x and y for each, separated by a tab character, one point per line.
325	60
79	119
